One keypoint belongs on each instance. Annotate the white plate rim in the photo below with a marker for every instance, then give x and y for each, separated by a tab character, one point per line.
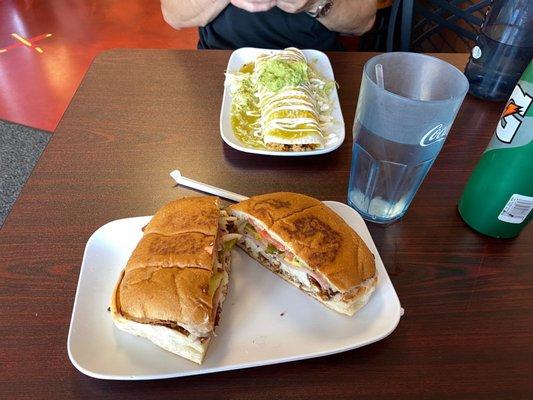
398	312
226	104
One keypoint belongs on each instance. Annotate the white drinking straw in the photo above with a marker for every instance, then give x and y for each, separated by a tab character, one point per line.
379	76
204	187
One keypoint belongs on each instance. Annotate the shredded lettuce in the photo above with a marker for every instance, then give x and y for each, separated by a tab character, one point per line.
227	246
251	230
214	282
245	110
272	249
296	262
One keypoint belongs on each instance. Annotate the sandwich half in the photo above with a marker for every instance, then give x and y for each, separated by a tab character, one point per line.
308	245
175	281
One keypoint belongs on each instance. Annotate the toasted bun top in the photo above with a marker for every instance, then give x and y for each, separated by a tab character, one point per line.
188	214
166	280
315	234
179	251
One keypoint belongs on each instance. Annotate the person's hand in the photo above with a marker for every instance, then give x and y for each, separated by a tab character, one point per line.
296	6
254	5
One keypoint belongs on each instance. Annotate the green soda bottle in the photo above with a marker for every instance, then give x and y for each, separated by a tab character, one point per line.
498	198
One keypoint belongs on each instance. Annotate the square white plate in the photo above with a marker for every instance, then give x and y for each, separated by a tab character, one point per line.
320	62
264	320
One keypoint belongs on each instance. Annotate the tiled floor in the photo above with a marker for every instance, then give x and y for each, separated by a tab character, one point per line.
55	42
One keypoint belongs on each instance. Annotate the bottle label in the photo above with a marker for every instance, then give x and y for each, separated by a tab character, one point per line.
476	52
513	114
517	209
515	127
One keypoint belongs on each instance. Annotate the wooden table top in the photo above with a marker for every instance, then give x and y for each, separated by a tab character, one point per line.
468	323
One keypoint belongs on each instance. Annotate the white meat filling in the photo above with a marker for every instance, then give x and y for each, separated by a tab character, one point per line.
295	274
299	276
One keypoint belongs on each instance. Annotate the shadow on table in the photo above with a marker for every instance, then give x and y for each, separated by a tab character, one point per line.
329	161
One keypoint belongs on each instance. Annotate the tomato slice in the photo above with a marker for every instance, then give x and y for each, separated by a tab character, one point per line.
289	256
279	246
273	242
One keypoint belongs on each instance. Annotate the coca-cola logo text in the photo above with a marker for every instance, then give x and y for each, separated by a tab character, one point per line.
434	135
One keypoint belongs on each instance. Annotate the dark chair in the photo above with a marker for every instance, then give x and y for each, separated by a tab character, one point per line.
376	38
435	25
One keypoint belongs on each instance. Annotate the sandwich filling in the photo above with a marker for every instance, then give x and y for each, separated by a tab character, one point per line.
280	259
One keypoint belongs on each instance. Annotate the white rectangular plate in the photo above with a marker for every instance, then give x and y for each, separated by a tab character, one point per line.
320	62
264	321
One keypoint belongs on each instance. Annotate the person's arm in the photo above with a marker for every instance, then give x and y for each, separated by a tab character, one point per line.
190	13
353	17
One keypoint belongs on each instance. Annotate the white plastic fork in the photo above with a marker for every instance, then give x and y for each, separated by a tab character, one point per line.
204	187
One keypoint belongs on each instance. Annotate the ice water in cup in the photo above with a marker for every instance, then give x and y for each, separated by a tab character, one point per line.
399	130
